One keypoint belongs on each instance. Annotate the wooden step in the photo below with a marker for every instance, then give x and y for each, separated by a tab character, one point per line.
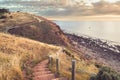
45	77
40	69
41	73
41	65
60	78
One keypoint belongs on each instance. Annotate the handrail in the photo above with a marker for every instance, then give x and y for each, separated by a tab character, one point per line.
73	71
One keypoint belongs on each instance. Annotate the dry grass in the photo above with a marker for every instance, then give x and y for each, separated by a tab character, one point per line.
18	54
17	18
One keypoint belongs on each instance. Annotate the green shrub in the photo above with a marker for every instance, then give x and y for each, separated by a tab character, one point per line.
93	78
2	11
106	73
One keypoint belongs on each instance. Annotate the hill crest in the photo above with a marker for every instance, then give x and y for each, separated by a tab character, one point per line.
33	27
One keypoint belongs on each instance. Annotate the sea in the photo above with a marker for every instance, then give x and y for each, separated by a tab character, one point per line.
106	30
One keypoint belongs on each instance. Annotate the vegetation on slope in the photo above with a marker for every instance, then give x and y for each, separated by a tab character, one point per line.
19	55
106	73
2	12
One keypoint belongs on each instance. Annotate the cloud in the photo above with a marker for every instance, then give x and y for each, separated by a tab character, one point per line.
52	9
98	8
103	7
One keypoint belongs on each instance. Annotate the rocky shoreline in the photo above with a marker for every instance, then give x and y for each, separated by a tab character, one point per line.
102	51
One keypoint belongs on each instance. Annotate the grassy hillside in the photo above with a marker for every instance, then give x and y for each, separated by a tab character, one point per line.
33	27
18	54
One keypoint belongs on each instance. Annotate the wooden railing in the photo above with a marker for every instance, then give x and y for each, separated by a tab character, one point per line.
57	62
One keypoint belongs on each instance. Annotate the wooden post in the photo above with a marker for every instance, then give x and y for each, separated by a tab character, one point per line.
57	66
50	61
73	69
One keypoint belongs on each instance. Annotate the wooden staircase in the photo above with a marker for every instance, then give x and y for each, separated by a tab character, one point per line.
42	72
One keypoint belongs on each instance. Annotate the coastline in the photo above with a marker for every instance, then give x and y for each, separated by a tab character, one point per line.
101	51
93	37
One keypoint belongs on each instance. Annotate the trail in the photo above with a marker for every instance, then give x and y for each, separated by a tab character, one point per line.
13	27
38	19
42	72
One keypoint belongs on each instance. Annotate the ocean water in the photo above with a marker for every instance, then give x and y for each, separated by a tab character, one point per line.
108	30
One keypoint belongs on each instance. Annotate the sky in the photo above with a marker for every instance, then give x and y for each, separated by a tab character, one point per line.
64	9
76	0
89	1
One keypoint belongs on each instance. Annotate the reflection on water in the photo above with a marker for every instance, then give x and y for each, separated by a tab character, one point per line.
109	30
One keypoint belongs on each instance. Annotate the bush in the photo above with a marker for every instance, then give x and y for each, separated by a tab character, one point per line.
106	73
93	78
2	11
98	65
3	17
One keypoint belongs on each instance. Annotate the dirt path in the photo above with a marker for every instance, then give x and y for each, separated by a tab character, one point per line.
13	27
42	72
